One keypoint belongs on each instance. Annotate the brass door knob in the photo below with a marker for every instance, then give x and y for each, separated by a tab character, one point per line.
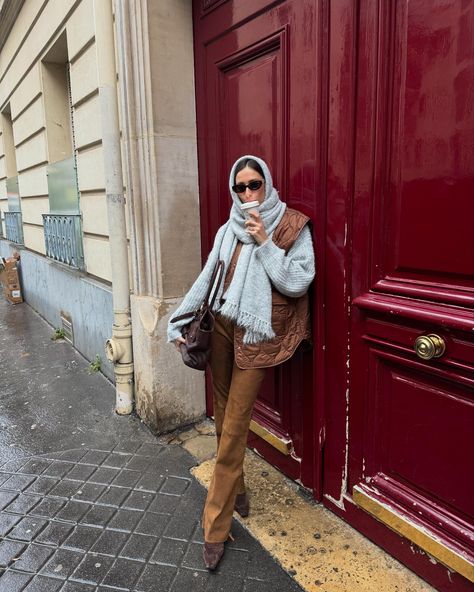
429	346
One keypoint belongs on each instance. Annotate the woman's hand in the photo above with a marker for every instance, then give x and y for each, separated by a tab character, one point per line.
256	228
177	342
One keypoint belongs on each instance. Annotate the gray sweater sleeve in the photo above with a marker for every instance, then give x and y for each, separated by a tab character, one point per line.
291	273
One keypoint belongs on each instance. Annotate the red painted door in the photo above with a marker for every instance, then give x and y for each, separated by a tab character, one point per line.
399	451
257	93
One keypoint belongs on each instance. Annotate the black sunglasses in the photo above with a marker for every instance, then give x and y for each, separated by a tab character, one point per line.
241	187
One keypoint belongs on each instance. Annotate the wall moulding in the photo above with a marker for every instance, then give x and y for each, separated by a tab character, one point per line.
132	38
9	10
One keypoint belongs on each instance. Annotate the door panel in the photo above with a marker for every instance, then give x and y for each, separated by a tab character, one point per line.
404	432
424	241
254	78
258	93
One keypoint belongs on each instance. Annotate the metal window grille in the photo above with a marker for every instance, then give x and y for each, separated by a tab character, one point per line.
63	238
14	227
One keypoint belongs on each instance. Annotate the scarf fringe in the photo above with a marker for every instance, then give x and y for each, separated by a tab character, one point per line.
256	330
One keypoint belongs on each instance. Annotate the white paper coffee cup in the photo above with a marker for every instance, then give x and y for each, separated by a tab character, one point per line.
250	206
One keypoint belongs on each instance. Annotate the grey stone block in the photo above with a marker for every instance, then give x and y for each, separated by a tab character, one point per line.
193	558
35	466
6	498
42	485
62	564
12	581
92	569
113	496
138	500
181	526
78	587
175	485
74	456
125	520
110	542
33	558
169	551
28	528
190	580
89	492
94	457
43	584
9	550
4	477
81	472
139	547
123	574
58	468
149	482
54	534
7	522
98	515
116	460
164	503
48	507
65	488
157	577
152	524
126	478
82	538
23	503
18	482
73	511
103	475
219	582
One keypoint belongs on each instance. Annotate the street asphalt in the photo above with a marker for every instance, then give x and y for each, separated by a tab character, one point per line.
91	501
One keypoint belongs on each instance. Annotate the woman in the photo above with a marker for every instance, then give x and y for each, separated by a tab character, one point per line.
262	317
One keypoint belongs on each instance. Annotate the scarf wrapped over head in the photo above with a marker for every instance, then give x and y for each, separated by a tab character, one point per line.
248	299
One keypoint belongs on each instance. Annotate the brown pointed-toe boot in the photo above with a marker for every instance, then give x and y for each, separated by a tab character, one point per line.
242	505
212	554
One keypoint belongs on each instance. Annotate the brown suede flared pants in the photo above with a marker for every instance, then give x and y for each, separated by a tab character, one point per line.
234	392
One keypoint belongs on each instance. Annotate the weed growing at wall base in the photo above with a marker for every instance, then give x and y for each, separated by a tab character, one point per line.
95	365
59	333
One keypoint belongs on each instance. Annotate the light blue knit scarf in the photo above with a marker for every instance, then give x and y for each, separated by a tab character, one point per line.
248	300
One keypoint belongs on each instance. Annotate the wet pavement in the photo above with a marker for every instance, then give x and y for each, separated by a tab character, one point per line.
91	501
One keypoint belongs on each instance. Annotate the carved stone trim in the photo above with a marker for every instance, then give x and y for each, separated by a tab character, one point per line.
135	93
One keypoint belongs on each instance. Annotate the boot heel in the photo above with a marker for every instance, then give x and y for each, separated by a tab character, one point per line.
242	505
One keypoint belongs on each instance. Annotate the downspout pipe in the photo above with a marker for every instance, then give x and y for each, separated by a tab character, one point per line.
119	346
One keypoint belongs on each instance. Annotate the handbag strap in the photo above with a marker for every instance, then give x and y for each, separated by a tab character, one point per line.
217	274
218	271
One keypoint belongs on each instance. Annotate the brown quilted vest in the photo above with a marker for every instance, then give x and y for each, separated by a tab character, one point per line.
290	316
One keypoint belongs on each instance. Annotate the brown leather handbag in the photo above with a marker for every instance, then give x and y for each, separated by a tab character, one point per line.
197	333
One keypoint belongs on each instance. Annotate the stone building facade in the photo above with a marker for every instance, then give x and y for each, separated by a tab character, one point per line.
53	187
